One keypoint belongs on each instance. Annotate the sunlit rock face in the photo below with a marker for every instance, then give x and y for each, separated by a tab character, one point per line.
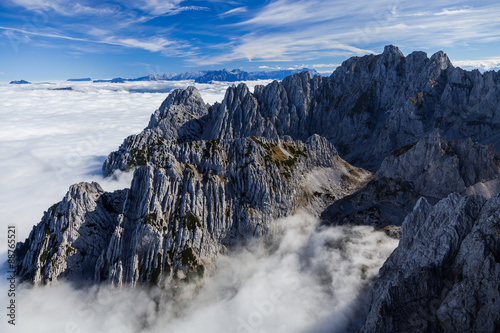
210	177
188	203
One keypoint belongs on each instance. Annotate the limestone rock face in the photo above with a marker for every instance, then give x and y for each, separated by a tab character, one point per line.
431	168
443	277
207	177
180	116
71	235
189	202
367	108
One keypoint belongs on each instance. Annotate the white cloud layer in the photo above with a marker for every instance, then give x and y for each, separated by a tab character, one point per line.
50	139
486	64
313	280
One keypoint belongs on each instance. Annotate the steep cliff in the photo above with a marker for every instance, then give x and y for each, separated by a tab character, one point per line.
432	168
188	203
444	275
368	107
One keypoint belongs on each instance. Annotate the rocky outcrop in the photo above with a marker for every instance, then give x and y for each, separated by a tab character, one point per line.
189	202
443	277
431	168
71	235
181	117
368	107
208	177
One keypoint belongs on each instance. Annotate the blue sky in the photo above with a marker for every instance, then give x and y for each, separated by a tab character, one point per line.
60	39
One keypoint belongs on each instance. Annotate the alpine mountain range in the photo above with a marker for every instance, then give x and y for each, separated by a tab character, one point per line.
405	144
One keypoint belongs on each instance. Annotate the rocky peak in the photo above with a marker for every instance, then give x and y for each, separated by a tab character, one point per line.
392	52
181	116
441	59
187	202
188	100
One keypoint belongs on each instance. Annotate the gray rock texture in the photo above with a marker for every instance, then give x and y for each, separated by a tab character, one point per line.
368	107
207	177
444	275
188	203
431	168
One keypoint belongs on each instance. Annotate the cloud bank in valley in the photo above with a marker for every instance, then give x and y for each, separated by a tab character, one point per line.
311	280
50	139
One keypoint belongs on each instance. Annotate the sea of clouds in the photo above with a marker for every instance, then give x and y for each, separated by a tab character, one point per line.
313	280
50	139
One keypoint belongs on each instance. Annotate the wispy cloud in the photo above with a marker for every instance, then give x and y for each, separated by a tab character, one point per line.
283	47
45	34
153	44
289	30
66	8
179	10
234	11
153	8
163	7
482	64
452	11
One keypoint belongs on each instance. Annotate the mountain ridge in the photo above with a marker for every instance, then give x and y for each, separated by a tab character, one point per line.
207	76
207	177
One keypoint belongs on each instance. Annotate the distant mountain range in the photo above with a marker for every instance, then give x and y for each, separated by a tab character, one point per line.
20	82
80	80
209	76
200	77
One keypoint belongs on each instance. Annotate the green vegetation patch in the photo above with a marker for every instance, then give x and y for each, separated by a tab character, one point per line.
211	146
295	150
139	156
152	220
188	259
70	251
277	156
191	221
156	272
190	263
44	256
